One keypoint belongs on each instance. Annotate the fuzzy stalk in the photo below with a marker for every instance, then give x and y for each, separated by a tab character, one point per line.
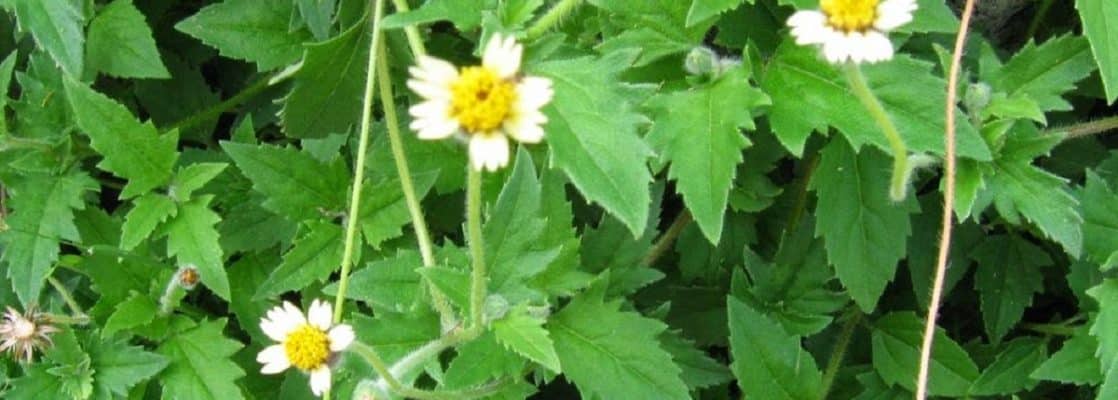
898	184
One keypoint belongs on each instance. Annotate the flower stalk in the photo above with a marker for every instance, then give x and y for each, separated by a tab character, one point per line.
478	278
551	19
898	184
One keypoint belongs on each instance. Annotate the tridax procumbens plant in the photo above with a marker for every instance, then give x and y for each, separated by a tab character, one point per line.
557	199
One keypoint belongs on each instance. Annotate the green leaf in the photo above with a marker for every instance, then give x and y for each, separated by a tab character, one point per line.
35	384
131	150
147	213
481	360
192	178
1009	373
251	30
6	68
525	335
798	80
391	284
698	131
42	215
613	354
70	365
600	152
199	367
698	369
1075	363
121	43
250	227
655	29
465	15
57	28
1020	187
862	228
298	186
193	240
703	9
512	247
384	209
768	362
1007	277
1106	322
327	94
138	310
896	352
313	257
1099	206
118	367
1100	25
1044	73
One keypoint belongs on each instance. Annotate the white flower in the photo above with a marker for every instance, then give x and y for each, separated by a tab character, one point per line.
852	30
21	334
487	103
308	343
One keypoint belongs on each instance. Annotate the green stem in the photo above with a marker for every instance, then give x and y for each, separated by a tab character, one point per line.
359	167
370	355
216	110
167	301
899	182
1053	329
414	40
550	19
1086	128
668	238
67	319
853	317
419	222
432	349
477	250
67	297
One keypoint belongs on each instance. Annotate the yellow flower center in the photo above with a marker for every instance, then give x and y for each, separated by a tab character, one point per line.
307	347
850	15
480	100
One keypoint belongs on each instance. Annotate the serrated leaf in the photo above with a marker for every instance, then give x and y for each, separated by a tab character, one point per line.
1100	26
384	209
798	79
698	131
391	284
1020	187
863	230
147	213
70	365
1106	322
481	360
57	28
513	251
118	367
1099	206
250	227
131	150
139	309
193	177
1008	275
42	215
200	368
193	240
251	30
313	257
703	9
897	339
698	369
298	186
326	97
768	362
1074	363
611	354
35	384
1009	373
121	44
1044	73
525	335
465	15
601	153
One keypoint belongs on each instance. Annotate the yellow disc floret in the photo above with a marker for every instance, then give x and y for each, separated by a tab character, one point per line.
307	347
850	15
480	100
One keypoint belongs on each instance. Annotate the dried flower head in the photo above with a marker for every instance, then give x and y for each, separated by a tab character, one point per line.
22	333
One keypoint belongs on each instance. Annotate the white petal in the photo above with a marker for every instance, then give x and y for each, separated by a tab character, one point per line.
525	128
429	90
279	322
294	313
878	46
274	359
320	314
533	92
489	151
340	337
837	48
502	55
807	18
894	13
809	27
431	120
320	380
433	70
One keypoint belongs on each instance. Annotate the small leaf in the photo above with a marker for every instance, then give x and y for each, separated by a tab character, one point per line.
57	28
768	362
118	367
703	9
200	368
121	43
192	178
1100	25
1075	363
1044	73
298	186
326	97
193	240
525	335
1009	373
312	258
1008	275
391	284
897	339
138	310
251	30
1099	206
147	213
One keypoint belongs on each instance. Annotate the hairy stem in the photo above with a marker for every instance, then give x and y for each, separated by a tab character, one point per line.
899	182
414	40
370	355
477	251
417	357
167	301
948	205
551	19
853	317
67	297
668	238
216	110
1086	128
359	167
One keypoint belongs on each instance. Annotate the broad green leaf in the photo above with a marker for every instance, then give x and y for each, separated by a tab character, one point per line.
454	283
799	80
6	68
312	258
251	30
249	227
35	384
118	367
193	177
1044	73
395	335
138	310
768	362
318	14
199	367
698	369
120	43
42	214
512	249
698	130
57	28
703	9
1074	363
1009	373
481	360
600	152
525	335
1020	187
1106	294
1099	206
132	150
147	213
245	276
390	284
384	210
42	110
613	354
297	185
465	15
1100	25
1008	275
327	94
896	352
193	240
864	231
192	96
655	28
